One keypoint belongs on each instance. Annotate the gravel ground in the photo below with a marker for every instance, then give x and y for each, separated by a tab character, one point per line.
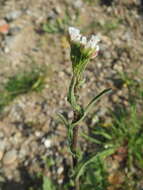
29	129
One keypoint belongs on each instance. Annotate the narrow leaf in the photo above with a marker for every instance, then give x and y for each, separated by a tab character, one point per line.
94	100
71	96
102	133
95	158
63	119
91	139
90	105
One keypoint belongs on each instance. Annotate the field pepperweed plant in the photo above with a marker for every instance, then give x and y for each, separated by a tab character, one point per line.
82	51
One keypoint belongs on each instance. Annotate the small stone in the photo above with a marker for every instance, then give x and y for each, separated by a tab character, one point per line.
14	30
60	170
4	27
115	98
57	10
1	154
1	134
107	55
10	157
2	148
77	4
6	50
118	68
9	40
13	15
38	133
23	152
60	181
47	143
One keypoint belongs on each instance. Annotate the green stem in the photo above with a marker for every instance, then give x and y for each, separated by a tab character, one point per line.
73	96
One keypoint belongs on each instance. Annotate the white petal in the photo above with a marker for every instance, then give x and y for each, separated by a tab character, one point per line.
95	39
97	48
92	43
83	40
73	30
74	34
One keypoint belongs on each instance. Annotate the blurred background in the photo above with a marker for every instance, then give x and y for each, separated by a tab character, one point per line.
35	71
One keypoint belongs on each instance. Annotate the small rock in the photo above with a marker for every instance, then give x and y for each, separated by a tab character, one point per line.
57	10
115	98
23	152
107	55
77	4
118	68
10	157
8	40
6	50
1	134
4	27
60	181
14	30
34	146
2	144
47	143
13	15
60	170
1	154
2	148
38	134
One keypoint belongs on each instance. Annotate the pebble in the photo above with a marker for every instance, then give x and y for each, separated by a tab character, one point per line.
23	152
118	67
2	148
47	143
38	134
14	30
60	170
1	134
107	55
1	154
4	27
13	15
77	4
60	181
10	157
57	10
6	50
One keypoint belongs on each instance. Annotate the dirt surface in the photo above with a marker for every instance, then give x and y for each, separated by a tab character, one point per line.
29	129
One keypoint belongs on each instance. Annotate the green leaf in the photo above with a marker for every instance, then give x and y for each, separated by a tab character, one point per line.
63	120
101	155
95	99
90	105
91	139
47	184
104	134
71	95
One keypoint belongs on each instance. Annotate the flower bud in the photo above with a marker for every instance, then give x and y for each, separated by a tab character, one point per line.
82	50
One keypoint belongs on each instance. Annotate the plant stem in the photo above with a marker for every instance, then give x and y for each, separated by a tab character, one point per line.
75	141
74	145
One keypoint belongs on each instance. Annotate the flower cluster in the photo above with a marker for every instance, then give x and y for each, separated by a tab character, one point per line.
91	44
82	49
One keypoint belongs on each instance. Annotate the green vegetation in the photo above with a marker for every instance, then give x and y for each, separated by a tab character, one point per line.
121	140
59	25
105	27
134	86
125	136
20	84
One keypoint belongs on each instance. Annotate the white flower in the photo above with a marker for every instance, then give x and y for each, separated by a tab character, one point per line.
92	43
83	40
74	34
